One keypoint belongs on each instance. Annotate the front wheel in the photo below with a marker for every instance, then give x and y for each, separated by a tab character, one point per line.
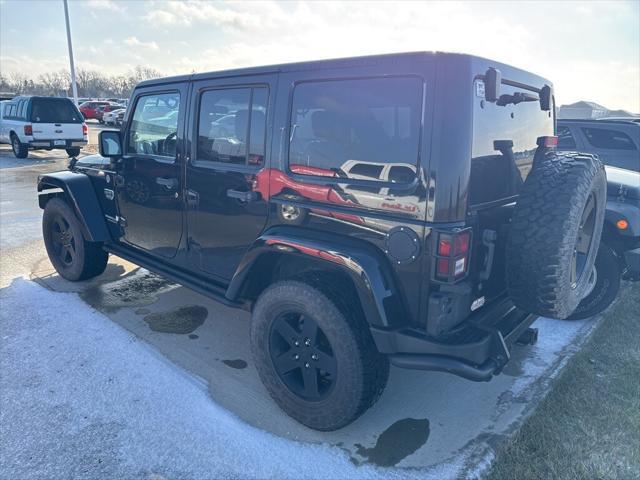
72	256
604	284
73	152
315	356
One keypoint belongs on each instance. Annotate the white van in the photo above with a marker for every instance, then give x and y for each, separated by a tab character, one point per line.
29	122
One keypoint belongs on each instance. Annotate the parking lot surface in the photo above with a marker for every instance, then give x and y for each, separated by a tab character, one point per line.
441	424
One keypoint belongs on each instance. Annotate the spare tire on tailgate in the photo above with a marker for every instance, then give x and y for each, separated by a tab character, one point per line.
555	233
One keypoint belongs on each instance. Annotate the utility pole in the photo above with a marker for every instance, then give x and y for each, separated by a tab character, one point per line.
74	87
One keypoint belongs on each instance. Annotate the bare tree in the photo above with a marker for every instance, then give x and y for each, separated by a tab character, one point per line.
91	83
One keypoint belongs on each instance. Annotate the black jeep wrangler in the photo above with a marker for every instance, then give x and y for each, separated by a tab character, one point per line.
407	209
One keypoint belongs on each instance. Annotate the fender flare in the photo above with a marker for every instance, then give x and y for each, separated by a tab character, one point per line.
362	262
81	196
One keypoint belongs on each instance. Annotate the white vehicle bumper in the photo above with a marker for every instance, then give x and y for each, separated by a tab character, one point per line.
56	143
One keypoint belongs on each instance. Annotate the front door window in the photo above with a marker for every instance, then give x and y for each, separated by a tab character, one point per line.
154	125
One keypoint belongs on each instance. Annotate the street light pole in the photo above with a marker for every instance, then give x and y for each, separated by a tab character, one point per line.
74	87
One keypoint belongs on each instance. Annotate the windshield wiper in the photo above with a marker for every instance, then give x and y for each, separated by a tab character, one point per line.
516	98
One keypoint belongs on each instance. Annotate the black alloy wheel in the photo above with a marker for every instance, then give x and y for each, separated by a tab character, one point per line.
583	242
63	241
302	356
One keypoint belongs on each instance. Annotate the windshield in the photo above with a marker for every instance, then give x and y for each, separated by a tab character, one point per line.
54	110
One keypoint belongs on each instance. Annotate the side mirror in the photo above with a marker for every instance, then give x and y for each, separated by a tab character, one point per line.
492	81
110	143
545	98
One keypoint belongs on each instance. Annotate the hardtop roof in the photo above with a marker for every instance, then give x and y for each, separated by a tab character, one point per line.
347	62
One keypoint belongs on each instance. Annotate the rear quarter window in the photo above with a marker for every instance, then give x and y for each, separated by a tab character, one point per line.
54	110
353	127
608	139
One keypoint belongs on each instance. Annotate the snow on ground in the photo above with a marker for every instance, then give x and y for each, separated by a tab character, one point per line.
81	397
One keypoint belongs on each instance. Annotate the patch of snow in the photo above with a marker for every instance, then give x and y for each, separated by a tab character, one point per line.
554	346
80	396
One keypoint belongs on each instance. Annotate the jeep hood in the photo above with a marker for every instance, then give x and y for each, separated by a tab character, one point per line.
621	182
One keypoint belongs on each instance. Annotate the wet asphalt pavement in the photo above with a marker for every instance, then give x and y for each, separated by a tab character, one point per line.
424	419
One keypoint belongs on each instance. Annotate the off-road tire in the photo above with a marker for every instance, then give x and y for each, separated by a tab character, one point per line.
607	285
362	370
89	261
73	152
20	150
544	229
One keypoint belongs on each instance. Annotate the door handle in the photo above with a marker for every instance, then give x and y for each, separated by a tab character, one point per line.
245	197
170	183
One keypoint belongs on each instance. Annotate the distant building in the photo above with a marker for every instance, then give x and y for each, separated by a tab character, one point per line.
589	110
583	109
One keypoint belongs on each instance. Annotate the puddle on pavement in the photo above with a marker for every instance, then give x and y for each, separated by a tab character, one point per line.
135	290
397	442
237	364
193	336
180	320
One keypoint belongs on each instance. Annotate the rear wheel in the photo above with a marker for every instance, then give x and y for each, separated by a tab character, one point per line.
603	287
20	150
315	356
72	256
555	232
73	152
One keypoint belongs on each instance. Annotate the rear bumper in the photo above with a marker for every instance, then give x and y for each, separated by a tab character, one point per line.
52	143
477	350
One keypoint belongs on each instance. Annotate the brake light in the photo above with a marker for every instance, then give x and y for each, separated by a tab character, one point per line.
452	256
444	246
28	129
549	141
85	129
461	244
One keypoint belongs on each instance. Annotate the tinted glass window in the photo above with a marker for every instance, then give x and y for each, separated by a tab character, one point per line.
612	139
565	139
368	121
54	110
12	110
154	125
367	170
232	126
504	144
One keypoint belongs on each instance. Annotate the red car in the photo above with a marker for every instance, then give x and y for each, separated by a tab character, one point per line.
93	109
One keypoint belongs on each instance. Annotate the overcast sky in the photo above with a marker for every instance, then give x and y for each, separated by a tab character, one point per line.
589	49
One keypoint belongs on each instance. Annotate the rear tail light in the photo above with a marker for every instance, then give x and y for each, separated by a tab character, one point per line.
85	130
452	255
548	141
28	129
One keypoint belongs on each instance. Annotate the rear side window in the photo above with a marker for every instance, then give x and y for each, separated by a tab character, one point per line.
232	126
367	122
565	139
610	139
54	110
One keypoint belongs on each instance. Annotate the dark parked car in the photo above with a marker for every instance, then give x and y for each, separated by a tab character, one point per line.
616	142
427	216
